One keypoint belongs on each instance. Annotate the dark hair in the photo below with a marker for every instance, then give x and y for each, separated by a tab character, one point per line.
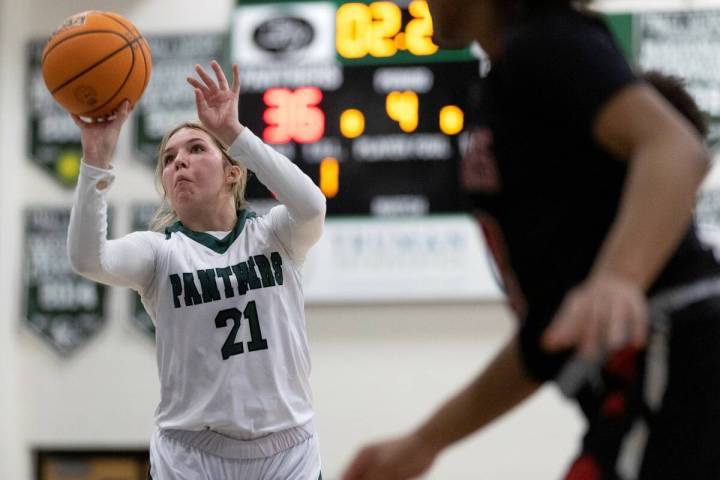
674	90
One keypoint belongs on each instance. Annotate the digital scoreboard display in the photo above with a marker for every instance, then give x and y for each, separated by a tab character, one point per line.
359	97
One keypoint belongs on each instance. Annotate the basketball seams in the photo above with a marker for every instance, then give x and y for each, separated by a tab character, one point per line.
133	30
96	64
145	63
122	85
74	35
88	81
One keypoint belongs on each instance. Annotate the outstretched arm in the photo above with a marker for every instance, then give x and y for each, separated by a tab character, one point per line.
299	221
502	386
124	262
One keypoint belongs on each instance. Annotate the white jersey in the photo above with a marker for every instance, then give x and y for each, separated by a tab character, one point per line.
228	308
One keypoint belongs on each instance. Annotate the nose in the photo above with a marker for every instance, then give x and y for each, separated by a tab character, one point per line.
180	161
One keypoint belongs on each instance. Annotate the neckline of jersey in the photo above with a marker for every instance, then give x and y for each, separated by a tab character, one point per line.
218	245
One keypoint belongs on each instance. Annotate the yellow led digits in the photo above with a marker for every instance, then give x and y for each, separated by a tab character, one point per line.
352	123
376	30
451	120
387	23
419	30
352	25
403	108
329	176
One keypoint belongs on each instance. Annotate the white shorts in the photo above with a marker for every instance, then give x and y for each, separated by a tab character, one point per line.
171	458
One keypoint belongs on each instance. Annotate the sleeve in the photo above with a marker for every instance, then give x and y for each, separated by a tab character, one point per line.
125	262
569	66
298	222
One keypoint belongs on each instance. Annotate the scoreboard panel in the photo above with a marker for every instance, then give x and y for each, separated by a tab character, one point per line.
359	97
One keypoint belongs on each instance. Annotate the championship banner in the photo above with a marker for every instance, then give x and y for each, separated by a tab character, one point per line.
141	215
65	309
54	140
169	99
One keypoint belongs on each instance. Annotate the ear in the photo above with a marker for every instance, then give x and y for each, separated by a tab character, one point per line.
233	174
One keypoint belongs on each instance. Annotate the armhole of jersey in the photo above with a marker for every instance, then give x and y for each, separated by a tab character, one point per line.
297	266
156	243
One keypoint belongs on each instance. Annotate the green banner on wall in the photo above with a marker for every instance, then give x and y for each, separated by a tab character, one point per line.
65	309
54	140
169	99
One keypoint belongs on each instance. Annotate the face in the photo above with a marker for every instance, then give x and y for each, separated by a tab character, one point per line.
195	173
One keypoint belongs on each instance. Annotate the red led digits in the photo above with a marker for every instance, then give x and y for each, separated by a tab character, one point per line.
293	115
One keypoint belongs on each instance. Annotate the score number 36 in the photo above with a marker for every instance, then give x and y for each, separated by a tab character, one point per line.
374	30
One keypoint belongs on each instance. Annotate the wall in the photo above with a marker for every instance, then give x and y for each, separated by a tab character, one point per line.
377	369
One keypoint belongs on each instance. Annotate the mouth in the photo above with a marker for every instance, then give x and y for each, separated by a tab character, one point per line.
181	180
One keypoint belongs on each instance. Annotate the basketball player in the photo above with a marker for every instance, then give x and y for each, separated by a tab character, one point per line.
223	287
590	187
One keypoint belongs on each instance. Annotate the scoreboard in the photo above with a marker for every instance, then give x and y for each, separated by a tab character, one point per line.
359	97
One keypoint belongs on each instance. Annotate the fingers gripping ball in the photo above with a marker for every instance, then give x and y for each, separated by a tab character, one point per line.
94	61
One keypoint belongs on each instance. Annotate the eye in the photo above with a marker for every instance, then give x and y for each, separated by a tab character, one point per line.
197	148
168	158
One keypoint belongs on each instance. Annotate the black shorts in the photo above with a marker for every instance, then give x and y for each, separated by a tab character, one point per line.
655	413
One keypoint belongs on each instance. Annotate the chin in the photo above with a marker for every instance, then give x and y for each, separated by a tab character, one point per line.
182	199
451	41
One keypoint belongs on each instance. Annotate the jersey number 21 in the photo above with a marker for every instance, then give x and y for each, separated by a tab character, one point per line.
231	346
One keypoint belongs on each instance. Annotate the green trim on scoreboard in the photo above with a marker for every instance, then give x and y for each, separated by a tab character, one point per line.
405	58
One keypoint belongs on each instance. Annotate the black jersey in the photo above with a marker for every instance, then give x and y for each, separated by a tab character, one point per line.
553	191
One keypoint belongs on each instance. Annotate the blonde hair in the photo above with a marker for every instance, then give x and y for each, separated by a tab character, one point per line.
164	215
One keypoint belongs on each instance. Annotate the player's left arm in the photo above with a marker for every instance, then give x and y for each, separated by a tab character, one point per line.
666	164
298	222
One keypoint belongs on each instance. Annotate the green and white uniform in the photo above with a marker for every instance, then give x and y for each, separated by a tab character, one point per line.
228	308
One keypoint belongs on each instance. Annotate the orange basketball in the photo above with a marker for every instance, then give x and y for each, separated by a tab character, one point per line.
94	61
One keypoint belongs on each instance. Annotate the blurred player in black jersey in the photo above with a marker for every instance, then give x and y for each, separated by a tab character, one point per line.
586	178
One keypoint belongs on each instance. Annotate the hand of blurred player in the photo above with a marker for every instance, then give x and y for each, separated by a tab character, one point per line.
100	136
398	459
599	316
217	103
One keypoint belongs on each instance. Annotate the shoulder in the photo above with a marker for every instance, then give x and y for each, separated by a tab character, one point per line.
253	223
570	62
146	238
555	34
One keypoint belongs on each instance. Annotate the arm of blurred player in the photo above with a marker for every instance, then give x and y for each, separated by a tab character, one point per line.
503	385
667	162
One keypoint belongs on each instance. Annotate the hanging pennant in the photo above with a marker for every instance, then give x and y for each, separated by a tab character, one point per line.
65	309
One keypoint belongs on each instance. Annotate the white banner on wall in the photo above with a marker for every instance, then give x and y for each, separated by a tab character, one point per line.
282	33
441	258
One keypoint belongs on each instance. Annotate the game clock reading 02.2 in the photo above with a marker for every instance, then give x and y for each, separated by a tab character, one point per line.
360	98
